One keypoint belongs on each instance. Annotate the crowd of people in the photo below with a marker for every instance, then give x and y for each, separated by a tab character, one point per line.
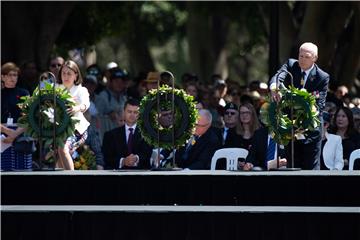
107	102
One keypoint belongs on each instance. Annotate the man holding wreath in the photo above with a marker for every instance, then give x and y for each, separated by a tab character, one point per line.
306	74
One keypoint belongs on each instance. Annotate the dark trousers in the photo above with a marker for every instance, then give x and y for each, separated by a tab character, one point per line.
306	153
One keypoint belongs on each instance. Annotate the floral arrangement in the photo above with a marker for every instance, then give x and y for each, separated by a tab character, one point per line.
43	104
275	115
185	117
84	158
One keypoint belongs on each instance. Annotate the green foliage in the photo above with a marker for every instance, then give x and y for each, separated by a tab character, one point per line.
33	109
275	117
146	103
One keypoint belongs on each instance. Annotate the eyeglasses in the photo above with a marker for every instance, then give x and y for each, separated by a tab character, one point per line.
93	72
245	113
55	65
202	125
230	113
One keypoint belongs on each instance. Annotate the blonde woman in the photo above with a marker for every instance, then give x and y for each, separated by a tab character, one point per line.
70	78
247	125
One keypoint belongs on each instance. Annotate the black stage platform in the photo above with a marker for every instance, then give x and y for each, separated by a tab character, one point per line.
180	205
301	188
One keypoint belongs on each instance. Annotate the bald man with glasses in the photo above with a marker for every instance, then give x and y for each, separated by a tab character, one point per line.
200	148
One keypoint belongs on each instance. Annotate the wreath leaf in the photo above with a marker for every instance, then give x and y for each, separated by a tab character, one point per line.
275	117
42	100
186	116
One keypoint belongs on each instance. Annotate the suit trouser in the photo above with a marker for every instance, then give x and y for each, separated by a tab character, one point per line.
306	153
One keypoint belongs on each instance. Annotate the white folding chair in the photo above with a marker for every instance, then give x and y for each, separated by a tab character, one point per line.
231	155
353	156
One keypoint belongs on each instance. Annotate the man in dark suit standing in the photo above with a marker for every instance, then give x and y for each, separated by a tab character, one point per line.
306	74
124	147
264	149
197	153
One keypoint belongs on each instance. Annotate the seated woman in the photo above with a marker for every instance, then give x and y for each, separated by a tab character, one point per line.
248	124
331	148
344	127
245	129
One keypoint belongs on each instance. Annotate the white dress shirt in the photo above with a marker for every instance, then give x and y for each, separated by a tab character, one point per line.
81	97
333	152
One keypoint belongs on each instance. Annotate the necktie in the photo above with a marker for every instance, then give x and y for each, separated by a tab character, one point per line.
303	75
130	139
225	135
270	152
191	142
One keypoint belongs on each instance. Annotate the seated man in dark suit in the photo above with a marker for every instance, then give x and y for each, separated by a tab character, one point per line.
197	153
264	149
124	147
231	119
227	134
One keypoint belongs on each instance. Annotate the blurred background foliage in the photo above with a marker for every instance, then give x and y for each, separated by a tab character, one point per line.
229	38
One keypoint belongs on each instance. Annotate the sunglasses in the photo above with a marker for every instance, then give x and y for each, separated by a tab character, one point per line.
93	72
230	113
55	65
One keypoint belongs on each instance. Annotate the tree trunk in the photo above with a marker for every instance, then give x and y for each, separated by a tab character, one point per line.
350	64
287	31
322	28
18	20
220	29
137	43
31	30
51	20
199	37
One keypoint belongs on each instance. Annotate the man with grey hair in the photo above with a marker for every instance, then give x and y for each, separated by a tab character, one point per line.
200	148
306	74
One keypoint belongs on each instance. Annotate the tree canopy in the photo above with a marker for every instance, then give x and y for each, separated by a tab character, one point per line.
229	38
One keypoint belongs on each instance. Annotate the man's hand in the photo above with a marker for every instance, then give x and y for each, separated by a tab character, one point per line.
241	165
275	95
282	162
272	164
248	166
131	160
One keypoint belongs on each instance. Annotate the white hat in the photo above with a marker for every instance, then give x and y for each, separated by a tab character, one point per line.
111	65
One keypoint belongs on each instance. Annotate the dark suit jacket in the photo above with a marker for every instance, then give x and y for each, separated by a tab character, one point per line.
200	154
229	137
115	147
317	82
257	152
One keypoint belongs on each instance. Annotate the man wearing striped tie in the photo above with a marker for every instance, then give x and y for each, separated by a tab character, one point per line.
264	152
305	74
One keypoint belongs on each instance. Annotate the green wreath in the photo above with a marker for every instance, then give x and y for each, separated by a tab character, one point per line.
275	115
184	117
41	104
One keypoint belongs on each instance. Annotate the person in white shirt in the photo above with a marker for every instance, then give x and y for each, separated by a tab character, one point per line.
332	149
70	78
